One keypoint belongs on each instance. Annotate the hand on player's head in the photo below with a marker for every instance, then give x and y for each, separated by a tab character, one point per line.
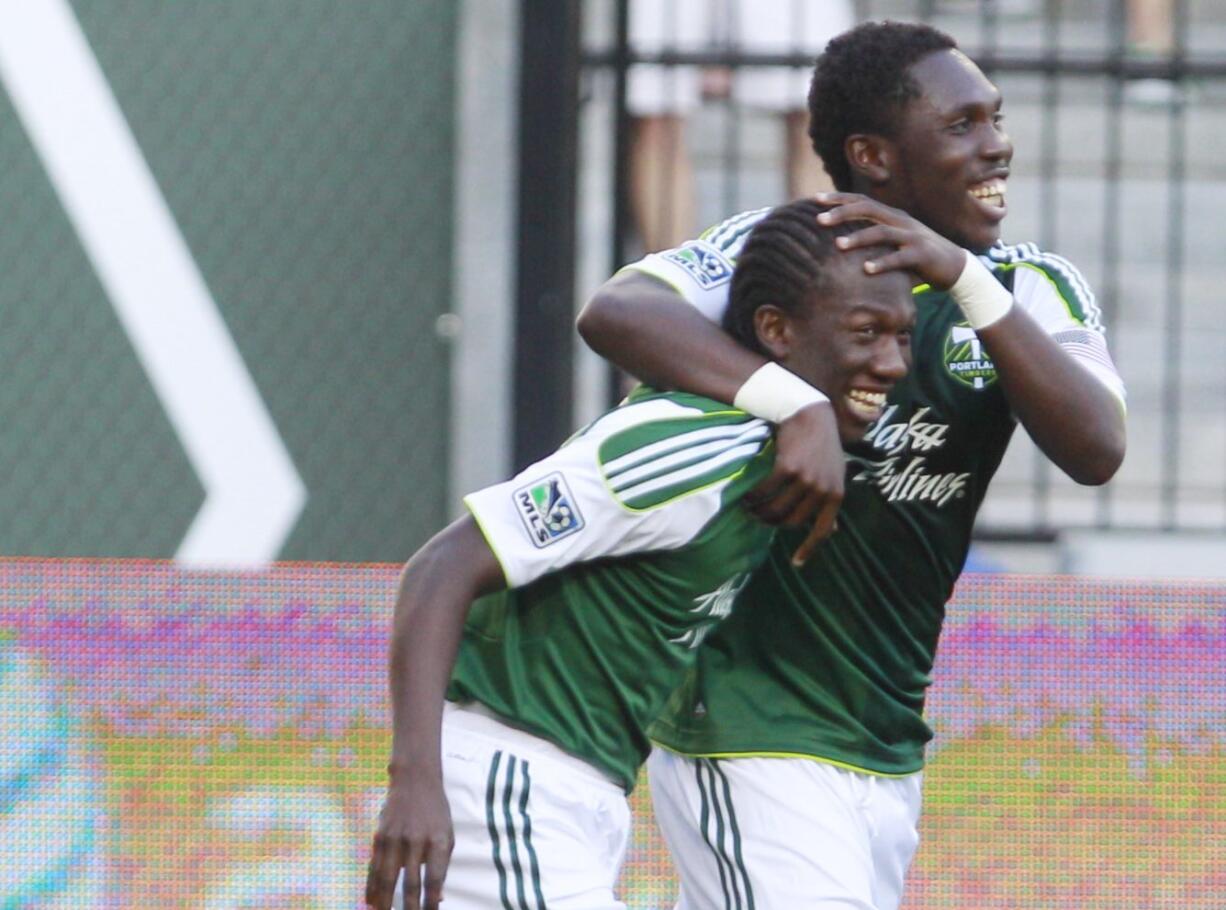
914	247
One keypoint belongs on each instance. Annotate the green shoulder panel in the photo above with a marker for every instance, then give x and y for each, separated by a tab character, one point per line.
652	463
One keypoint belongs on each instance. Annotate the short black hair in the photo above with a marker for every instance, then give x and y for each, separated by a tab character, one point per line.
862	82
782	263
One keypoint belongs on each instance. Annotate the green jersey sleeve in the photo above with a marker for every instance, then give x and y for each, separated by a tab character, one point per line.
648	476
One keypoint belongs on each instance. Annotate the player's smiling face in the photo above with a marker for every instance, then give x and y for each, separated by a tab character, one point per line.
853	340
953	154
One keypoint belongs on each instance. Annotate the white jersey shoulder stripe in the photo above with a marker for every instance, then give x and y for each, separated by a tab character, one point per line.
683	458
691	473
1030	254
1073	275
629	415
561	510
663	447
729	236
721	233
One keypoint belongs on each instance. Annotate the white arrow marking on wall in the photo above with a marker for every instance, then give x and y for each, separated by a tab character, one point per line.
253	494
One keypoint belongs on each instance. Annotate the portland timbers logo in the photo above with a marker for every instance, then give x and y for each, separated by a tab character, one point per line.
548	510
965	358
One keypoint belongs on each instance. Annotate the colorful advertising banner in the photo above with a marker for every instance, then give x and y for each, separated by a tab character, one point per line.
179	739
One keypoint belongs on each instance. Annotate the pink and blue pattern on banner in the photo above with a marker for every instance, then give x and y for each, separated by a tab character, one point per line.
183	739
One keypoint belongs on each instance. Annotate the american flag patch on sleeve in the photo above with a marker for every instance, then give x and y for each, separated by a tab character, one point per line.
1089	348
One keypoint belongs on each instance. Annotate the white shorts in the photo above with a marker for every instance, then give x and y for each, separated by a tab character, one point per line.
534	826
795	834
748	26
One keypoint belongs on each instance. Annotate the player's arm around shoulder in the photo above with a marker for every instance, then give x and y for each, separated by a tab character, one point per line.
661	323
1051	357
658	319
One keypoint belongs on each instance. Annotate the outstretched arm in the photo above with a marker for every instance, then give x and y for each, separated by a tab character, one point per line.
1075	419
437	588
646	327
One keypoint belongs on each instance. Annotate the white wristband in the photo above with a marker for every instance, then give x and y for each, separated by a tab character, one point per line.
983	299
775	393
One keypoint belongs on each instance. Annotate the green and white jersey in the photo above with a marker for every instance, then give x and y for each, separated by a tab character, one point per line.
622	550
837	658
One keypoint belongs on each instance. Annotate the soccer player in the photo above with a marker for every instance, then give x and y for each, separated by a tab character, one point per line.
618	554
790	770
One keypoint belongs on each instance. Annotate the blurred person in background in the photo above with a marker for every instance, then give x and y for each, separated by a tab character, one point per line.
1151	27
1151	36
790	773
661	98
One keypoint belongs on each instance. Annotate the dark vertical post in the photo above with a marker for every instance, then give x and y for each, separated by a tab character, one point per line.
621	162
545	226
621	134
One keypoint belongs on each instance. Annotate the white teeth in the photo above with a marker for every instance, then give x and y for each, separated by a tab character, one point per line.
990	191
872	398
865	405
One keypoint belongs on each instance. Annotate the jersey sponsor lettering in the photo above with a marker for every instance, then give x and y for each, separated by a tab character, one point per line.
548	510
703	262
902	479
713	607
911	482
916	433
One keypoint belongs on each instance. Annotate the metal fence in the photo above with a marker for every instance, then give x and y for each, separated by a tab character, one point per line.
1115	108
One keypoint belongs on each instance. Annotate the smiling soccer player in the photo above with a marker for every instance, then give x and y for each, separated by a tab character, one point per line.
790	774
619	552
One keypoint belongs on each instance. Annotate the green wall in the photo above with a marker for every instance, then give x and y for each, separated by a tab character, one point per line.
305	150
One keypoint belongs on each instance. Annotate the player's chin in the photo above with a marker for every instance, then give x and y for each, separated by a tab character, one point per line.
978	233
978	242
852	427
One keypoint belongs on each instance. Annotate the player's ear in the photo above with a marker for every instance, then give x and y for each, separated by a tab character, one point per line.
871	157
774	330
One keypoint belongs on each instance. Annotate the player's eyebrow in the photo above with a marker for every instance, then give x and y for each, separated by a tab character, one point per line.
972	108
857	310
878	311
992	103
